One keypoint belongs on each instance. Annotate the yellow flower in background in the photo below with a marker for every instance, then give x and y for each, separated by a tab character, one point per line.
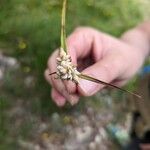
21	44
26	69
45	136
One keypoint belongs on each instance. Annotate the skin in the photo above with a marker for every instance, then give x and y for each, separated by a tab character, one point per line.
101	56
145	146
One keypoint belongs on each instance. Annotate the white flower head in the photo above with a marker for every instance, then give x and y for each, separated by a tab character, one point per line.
65	69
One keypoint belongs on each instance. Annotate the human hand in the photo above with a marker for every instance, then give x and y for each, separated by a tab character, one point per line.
145	146
98	55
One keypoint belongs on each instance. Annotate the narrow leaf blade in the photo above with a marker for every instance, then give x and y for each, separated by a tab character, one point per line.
86	77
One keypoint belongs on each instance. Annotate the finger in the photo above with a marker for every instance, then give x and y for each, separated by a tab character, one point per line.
56	83
145	146
79	46
70	86
106	70
120	82
61	97
58	98
73	99
68	89
80	42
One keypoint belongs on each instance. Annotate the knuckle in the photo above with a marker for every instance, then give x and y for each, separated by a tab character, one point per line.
71	87
111	70
57	84
78	29
108	71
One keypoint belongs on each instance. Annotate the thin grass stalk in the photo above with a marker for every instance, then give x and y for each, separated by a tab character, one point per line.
63	27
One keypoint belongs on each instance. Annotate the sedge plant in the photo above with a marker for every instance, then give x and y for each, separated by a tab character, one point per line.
66	70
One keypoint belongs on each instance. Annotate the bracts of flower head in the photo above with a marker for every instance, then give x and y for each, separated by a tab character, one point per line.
65	69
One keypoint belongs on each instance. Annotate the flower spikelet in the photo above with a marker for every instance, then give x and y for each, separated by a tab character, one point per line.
65	69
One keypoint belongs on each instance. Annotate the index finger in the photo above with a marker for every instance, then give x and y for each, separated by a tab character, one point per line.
80	43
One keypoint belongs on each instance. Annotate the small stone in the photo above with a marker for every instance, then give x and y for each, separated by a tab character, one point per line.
42	127
55	117
92	146
26	145
103	133
11	61
8	62
37	147
98	139
1	74
69	129
84	134
83	119
56	122
29	81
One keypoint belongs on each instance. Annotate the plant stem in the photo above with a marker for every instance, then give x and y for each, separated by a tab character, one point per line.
63	26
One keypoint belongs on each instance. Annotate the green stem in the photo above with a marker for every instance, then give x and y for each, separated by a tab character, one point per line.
63	25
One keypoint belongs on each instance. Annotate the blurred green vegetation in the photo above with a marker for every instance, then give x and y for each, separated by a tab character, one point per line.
30	31
31	28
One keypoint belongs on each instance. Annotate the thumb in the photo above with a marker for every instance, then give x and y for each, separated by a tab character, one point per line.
105	70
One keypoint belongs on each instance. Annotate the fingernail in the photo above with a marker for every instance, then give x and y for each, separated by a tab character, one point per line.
59	100
73	99
72	102
65	94
59	103
87	87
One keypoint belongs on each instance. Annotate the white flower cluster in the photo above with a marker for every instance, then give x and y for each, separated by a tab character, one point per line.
65	69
